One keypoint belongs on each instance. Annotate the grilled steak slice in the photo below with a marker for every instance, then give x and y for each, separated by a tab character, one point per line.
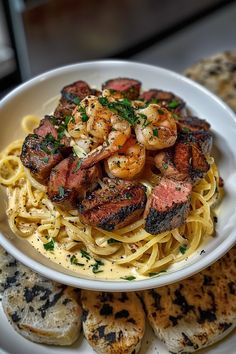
70	97
167	206
165	99
130	88
115	205
186	124
204	139
45	148
46	127
40	155
68	183
50	128
185	160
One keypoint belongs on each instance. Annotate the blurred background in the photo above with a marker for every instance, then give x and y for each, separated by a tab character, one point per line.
38	35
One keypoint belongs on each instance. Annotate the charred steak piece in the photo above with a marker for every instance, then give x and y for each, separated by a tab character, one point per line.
70	97
46	127
115	205
68	183
185	160
187	124
204	139
165	99
40	155
130	88
50	128
45	148
168	206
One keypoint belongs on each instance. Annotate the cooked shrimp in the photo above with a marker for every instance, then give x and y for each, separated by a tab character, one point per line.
155	128
77	128
99	118
107	127
128	162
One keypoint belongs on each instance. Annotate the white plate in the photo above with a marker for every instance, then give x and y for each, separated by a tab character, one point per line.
12	343
40	96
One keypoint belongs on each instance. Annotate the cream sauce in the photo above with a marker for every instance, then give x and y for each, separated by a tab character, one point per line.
108	271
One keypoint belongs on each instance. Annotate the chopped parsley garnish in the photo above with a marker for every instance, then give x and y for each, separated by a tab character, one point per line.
165	165
49	246
128	277
183	249
45	159
76	100
78	165
74	260
61	191
160	111
49	137
154	100
110	241
186	130
155	132
142	116
175	116
96	265
68	119
61	133
173	104
82	111
85	254
122	107
43	146
103	100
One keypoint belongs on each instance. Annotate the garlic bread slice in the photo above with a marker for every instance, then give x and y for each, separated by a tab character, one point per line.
198	311
113	323
43	311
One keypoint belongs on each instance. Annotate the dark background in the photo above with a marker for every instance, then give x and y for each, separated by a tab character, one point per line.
38	35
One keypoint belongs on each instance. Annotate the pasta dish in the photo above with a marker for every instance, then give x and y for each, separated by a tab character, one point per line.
116	183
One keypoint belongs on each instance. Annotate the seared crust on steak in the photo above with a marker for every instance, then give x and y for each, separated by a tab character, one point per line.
129	88
198	311
70	97
165	99
44	149
192	124
68	183
49	128
46	127
115	205
205	140
40	156
167	206
113	323
186	159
